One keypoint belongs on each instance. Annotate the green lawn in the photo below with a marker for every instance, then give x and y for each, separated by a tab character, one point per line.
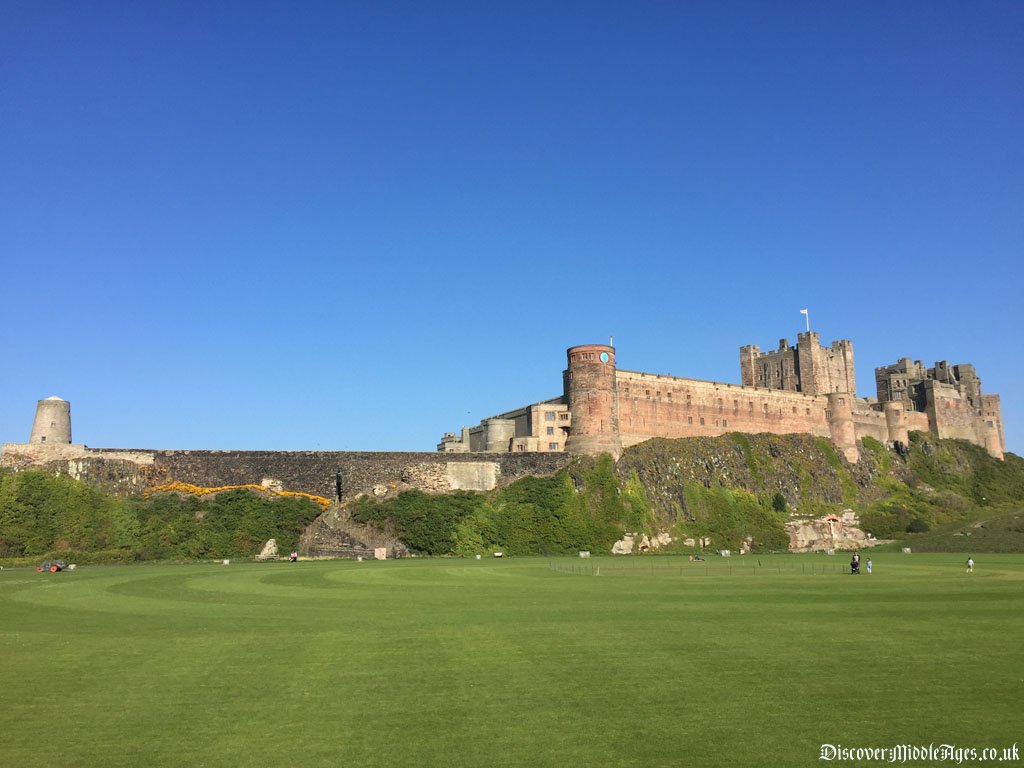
654	661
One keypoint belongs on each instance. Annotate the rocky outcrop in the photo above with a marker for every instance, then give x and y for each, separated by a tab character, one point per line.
269	551
626	544
830	532
334	534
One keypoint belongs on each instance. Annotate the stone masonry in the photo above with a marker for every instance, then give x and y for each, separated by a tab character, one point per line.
807	388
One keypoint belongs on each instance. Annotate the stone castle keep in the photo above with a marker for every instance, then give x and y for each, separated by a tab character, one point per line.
807	388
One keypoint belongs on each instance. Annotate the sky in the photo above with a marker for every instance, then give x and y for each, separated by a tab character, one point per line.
356	226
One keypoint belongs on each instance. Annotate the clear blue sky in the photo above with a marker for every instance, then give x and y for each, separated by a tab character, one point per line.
349	226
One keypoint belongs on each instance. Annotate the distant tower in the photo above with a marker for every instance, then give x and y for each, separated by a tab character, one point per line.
53	422
592	395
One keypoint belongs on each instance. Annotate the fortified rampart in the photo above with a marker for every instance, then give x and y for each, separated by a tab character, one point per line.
329	474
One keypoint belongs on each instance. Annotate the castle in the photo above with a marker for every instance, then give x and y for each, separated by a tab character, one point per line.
807	388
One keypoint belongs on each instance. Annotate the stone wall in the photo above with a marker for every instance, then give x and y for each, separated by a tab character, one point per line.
870	423
321	473
951	414
665	406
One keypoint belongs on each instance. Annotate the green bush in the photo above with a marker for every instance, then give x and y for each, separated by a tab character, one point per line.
730	516
918	525
779	502
43	514
425	523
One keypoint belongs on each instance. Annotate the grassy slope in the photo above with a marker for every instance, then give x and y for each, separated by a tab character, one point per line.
988	531
657	662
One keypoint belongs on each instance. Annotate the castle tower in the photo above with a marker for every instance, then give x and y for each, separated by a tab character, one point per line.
53	422
498	434
748	364
840	424
993	442
894	422
591	393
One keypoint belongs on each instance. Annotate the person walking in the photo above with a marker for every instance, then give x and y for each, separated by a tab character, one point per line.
868	565
970	565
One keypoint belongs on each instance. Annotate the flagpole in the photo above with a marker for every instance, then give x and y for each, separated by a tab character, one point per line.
807	316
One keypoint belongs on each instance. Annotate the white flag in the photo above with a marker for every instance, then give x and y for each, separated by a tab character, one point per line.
803	311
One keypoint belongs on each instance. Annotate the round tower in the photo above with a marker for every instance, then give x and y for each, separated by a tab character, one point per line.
993	442
592	396
53	422
498	434
894	422
840	425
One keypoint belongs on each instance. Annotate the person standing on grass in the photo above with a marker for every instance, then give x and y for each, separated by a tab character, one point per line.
868	566
970	565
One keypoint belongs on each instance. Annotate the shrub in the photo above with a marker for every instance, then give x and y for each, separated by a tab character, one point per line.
918	525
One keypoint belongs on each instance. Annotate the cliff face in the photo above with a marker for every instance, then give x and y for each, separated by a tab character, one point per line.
744	490
807	471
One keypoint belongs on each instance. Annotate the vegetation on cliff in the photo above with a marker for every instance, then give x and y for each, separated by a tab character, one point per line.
725	492
729	492
53	515
740	486
581	507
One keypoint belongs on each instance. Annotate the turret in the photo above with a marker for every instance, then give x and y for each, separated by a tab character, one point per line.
993	441
592	396
498	434
840	425
895	423
748	360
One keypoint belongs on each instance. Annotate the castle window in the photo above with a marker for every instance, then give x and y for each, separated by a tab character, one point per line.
794	409
725	422
553	446
689	419
647	392
549	416
563	417
551	430
808	411
702	421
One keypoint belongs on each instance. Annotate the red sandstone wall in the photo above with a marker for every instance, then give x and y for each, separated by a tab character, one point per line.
954	417
871	424
917	421
664	406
